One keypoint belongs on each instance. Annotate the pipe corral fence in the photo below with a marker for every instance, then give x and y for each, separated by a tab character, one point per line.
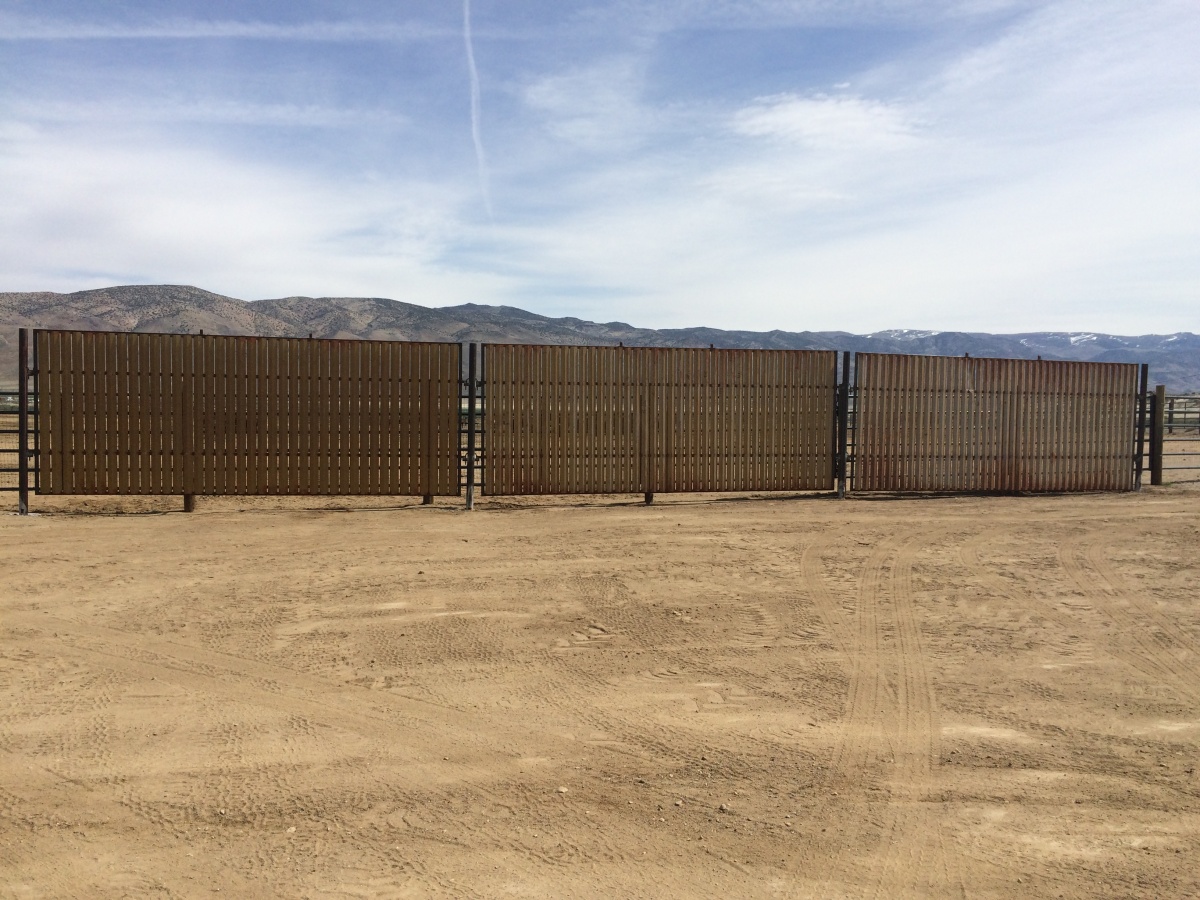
134	413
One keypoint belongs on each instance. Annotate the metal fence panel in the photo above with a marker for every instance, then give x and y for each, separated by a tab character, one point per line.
213	414
566	420
960	424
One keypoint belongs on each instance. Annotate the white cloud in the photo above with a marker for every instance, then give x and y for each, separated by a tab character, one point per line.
20	28
89	213
836	123
597	107
111	113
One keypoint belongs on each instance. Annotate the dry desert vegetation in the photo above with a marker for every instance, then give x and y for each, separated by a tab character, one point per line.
937	697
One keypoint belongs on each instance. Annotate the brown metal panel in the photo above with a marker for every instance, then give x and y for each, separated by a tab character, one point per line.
421	406
216	461
105	400
547	440
368	407
133	414
450	419
381	363
348	419
1013	425
74	406
410	411
391	480
119	424
420	450
55	411
573	419
98	413
295	397
358	417
247	427
315	477
397	479
49	388
332	476
233	463
405	408
429	406
46	383
329	480
259	394
279	361
305	424
225	459
324	478
148	412
382	399
496	421
183	437
90	416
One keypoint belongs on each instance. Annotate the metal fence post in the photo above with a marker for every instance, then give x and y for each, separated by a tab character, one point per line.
1157	411
471	387
1138	461
23	423
843	419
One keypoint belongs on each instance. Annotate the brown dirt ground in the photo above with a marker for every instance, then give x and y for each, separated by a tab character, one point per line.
581	697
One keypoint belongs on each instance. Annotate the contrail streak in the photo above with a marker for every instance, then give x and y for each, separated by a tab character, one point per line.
476	136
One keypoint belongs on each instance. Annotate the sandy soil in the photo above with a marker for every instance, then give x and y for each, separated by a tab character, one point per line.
710	697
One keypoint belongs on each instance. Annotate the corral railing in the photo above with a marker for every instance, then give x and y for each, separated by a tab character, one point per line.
1174	445
928	423
204	414
569	420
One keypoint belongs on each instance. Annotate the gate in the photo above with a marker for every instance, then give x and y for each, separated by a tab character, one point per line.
124	413
927	423
569	420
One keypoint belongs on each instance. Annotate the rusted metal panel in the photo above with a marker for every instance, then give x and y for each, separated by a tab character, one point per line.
963	424
212	414
569	420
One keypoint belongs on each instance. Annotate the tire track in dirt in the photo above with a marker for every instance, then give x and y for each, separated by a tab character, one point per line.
374	715
822	598
889	730
1175	641
611	607
88	807
1116	647
413	731
916	828
1081	559
863	726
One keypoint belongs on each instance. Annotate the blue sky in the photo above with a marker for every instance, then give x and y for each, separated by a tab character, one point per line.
991	165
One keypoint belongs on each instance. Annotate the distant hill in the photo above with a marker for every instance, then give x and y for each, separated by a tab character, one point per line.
1174	359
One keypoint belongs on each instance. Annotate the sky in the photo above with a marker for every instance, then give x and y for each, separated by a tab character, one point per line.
857	165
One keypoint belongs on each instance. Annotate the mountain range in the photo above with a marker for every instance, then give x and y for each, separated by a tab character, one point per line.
1174	358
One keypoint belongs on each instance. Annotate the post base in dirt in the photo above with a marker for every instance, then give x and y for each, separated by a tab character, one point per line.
649	497
189	502
427	500
471	497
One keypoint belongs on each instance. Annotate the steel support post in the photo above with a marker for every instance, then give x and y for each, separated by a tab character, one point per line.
23	423
471	389
843	420
1157	411
1140	450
